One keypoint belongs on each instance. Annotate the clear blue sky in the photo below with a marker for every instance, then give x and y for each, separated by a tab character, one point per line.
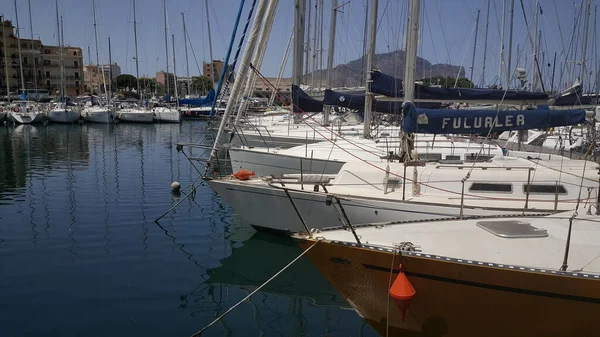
447	31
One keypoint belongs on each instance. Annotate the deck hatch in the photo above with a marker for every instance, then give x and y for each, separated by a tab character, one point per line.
512	229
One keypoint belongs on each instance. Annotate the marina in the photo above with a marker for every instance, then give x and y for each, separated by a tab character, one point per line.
364	191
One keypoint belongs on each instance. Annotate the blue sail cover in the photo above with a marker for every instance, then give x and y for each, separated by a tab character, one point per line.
302	102
481	121
202	101
392	87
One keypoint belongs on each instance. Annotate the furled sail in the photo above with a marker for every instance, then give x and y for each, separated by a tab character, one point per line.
446	121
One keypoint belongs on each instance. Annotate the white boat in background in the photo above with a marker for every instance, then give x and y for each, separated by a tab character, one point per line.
97	114
27	113
63	113
135	115
166	115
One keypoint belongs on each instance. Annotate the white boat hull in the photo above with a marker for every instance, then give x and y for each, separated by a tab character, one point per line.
164	115
274	164
136	117
103	116
63	116
27	117
269	208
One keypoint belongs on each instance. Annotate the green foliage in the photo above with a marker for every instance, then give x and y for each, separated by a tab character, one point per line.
126	81
448	82
201	84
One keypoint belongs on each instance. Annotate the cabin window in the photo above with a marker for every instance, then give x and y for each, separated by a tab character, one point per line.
544	189
491	187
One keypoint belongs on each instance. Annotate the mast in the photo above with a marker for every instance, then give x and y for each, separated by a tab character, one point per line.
35	82
412	41
475	45
487	25
187	64
331	48
62	62
166	49
5	58
502	43
314	51
210	50
175	70
535	46
307	43
281	68
321	43
363	71
110	73
585	40
19	48
509	72
370	57
96	41
60	48
137	67
299	41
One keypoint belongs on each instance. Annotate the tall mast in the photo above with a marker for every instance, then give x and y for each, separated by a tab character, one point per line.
96	41
59	47
210	50
175	70
19	48
487	25
110	73
502	43
370	57
364	70
307	43
412	41
62	63
509	72
137	67
34	57
299	41
5	57
314	51
187	64
166	48
321	44
331	48
475	45
585	39
535	46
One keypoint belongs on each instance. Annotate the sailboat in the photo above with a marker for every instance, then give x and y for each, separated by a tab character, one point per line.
23	112
462	276
94	111
63	111
132	112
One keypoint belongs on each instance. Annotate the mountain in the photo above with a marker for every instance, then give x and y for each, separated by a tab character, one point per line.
349	74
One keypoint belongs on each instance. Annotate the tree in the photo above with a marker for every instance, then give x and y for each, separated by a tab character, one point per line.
201	84
124	81
448	82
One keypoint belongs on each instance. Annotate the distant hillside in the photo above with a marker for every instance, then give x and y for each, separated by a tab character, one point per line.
349	74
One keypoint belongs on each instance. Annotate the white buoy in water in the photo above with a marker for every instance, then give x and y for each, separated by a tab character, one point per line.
175	186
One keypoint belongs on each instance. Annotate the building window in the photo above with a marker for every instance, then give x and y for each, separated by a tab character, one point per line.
47	83
544	189
77	92
76	83
46	51
25	61
74	53
76	75
23	45
75	64
491	187
46	62
47	74
36	61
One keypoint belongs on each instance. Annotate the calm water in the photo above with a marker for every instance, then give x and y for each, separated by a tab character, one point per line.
81	255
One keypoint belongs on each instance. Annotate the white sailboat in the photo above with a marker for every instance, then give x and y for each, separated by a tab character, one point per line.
62	111
97	113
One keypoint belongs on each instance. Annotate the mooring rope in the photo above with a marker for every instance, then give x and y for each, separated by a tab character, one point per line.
252	293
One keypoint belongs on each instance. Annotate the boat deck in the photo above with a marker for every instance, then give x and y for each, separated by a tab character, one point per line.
466	240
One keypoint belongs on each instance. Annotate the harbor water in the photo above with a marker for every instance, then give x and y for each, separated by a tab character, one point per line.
81	255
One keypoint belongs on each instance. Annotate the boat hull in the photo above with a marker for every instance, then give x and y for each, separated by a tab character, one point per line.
136	117
457	297
269	209
27	117
167	116
63	116
98	116
265	163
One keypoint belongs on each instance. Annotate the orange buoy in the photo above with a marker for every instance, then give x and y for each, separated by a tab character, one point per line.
244	174
402	292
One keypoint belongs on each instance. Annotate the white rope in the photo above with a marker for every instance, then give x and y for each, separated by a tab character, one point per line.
252	293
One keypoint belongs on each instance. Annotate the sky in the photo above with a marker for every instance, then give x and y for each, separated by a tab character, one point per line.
447	32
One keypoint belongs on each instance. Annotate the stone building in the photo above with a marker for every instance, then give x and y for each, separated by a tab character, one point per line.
95	76
41	64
